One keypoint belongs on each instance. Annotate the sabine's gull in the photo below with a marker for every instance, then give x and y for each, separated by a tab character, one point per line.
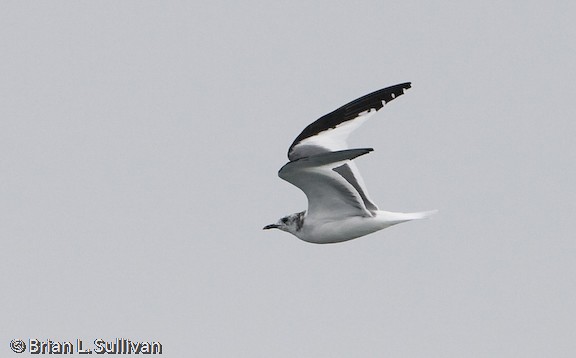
321	165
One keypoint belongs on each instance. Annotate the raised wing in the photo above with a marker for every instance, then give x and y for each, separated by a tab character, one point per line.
330	132
330	195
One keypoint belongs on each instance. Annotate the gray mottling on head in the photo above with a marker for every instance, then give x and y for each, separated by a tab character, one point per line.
295	220
300	220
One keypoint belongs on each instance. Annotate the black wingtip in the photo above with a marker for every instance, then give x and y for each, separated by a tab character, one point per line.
375	99
359	151
346	154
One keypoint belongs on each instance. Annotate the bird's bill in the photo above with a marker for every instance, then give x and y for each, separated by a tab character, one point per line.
271	226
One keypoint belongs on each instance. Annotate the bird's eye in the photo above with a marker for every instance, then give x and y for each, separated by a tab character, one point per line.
284	220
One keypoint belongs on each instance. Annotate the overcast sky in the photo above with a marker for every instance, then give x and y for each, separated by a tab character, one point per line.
139	148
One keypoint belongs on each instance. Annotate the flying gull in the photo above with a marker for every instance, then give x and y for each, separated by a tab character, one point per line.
321	165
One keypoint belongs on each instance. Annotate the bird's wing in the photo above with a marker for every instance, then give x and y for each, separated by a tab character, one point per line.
330	133
352	175
330	195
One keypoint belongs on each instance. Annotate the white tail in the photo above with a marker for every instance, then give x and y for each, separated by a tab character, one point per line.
397	218
421	215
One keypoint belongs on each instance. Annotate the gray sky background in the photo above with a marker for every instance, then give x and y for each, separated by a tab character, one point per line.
139	146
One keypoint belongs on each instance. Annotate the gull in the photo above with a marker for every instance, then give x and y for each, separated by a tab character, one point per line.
321	165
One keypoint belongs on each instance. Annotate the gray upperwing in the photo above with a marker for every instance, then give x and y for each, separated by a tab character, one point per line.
325	158
348	174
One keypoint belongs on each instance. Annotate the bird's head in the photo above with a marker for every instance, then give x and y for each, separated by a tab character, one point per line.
290	223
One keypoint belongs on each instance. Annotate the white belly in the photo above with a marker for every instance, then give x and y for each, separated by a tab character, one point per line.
332	231
343	230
